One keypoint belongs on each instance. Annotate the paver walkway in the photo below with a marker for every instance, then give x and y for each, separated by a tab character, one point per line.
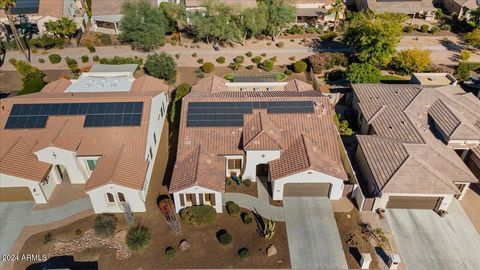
313	238
428	241
14	216
261	204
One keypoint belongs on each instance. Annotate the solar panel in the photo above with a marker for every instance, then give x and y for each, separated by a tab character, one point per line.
104	114
26	7
230	114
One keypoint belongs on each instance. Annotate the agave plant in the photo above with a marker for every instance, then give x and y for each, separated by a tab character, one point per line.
105	225
138	238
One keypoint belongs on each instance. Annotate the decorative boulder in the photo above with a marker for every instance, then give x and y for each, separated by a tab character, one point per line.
184	245
271	251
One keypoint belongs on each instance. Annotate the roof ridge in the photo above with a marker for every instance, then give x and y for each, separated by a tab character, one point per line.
395	172
10	148
434	172
307	153
120	150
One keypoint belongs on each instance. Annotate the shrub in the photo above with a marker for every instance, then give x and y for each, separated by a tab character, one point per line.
424	28
117	60
267	65
280	44
363	73
105	225
233	209
84	58
446	27
200	75
78	232
335	75
91	49
54	58
291	58
328	36
47	237
96	58
264	54
408	29
463	69
34	51
208	67
192	46
224	238
105	39
248	54
138	238
71	63
199	214
13	61
325	61
161	66
296	29
31	84
465	55
288	72
299	66
170	252
411	60
250	67
194	54
200	61
220	60
247	182
243	253
228	181
274	59
173	42
239	59
177	56
435	29
41	60
257	59
246	218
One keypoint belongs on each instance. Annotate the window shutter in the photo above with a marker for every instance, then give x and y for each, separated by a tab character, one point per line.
200	196
212	199
182	200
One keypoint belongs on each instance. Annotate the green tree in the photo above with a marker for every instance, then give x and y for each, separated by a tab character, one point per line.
32	77
412	60
473	38
161	66
251	23
181	91
279	14
6	6
338	9
218	22
363	73
45	41
63	28
176	15
374	39
342	125
143	25
475	16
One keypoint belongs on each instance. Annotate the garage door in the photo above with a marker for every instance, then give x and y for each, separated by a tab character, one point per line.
412	202
10	194
307	190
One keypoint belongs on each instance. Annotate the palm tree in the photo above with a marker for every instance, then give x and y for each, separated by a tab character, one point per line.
7	5
338	8
62	28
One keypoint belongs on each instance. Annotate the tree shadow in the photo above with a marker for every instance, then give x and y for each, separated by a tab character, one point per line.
450	45
318	45
384	256
355	253
259	221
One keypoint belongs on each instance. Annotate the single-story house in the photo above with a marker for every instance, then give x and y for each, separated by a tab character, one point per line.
279	132
415	143
422	8
461	8
39	12
100	131
315	12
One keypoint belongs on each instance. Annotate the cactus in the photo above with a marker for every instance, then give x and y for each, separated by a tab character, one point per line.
269	230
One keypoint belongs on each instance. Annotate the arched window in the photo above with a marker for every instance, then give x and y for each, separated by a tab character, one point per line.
121	197
110	198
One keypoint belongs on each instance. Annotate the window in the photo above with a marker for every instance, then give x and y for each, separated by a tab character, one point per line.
110	198
92	163
189	198
154	138
121	197
151	153
234	164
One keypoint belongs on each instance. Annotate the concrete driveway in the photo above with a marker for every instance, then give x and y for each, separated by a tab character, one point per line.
427	241
313	238
13	216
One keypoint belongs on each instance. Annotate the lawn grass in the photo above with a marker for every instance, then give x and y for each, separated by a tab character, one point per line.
393	79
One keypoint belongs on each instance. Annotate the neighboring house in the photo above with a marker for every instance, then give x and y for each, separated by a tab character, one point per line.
193	5
280	132
315	12
101	131
461	8
417	8
107	14
433	79
415	140
38	12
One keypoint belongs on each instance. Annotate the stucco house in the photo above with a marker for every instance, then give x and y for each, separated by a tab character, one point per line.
100	131
416	8
38	12
259	129
461	8
415	143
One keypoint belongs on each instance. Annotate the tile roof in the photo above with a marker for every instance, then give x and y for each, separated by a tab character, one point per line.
404	142
67	132
242	3
111	7
197	145
295	85
399	6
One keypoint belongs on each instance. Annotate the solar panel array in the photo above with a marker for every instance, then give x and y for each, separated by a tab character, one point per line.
26	7
230	114
105	114
265	77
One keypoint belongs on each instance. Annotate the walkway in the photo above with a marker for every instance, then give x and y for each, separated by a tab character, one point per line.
15	216
260	204
313	238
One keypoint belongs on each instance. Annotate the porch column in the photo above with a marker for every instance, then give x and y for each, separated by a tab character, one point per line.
116	27
464	191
